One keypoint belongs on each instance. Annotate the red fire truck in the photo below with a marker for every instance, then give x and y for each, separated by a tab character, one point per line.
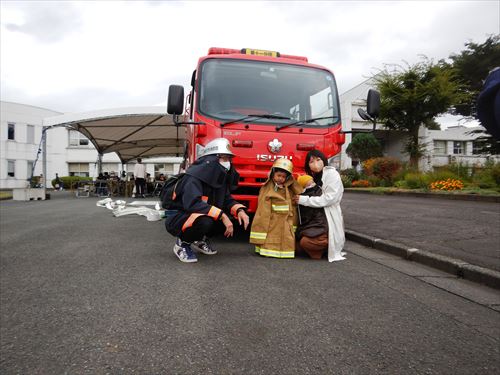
268	105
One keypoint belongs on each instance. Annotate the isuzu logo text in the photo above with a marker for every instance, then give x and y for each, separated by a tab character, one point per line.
262	157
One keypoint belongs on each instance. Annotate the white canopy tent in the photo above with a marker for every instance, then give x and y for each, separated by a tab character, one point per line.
129	132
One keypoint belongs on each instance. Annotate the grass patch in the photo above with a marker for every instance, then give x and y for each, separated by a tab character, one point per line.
5	195
388	190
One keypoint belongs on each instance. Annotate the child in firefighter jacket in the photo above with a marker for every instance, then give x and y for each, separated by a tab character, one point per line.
274	224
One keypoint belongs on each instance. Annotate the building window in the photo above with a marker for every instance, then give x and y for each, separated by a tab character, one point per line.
30	134
78	169
165	169
11	131
477	148
440	147
30	168
11	168
77	139
110	167
458	148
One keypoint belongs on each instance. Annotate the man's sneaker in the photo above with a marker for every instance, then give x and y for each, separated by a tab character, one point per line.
184	252
204	246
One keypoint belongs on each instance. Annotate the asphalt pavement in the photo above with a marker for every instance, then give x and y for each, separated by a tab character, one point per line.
462	230
83	292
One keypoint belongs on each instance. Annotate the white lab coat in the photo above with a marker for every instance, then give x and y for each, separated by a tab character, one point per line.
330	200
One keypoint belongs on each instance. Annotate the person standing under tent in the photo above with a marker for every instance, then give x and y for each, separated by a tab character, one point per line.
59	183
140	178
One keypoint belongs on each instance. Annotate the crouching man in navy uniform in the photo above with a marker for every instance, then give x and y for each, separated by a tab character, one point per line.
204	202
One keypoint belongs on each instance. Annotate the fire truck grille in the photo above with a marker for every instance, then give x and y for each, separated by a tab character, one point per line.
246	190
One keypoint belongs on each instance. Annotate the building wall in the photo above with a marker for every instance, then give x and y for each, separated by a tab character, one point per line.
392	141
436	156
61	155
21	150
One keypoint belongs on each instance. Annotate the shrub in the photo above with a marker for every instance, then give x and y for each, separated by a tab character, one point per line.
374	181
495	173
350	173
401	184
485	181
416	181
364	146
70	182
441	174
487	176
368	166
447	185
64	183
384	168
34	181
460	170
346	181
361	183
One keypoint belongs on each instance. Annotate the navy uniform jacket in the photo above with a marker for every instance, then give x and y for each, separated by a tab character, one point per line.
488	104
204	190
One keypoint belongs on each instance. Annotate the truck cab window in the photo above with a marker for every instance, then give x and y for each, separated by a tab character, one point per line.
230	89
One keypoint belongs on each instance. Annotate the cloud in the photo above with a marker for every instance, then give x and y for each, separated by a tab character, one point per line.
70	56
47	22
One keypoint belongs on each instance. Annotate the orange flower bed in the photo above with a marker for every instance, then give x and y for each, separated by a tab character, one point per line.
360	183
447	185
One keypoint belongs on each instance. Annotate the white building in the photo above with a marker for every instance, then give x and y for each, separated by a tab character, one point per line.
20	134
69	153
455	144
392	141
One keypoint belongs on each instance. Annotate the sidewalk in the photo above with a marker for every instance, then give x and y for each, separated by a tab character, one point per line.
438	195
453	266
459	237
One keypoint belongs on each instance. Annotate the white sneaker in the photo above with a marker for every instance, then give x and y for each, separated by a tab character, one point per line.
184	252
204	246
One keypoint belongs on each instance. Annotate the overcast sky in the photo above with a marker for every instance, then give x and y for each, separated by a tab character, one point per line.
74	56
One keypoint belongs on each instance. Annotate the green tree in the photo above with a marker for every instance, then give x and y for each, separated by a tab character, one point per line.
364	146
412	96
471	67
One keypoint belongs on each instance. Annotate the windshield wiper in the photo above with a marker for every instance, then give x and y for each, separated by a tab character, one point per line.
248	117
303	122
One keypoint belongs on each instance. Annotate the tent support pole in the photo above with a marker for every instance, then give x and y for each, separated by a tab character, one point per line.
44	150
99	164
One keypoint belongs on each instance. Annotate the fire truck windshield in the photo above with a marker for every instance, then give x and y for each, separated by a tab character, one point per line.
272	93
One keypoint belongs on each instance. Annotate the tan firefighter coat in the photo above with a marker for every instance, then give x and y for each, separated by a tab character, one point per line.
275	221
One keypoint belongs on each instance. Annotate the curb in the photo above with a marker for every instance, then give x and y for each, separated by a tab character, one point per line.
453	266
462	197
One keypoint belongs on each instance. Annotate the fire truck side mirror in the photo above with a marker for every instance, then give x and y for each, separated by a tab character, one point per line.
365	116
373	103
175	102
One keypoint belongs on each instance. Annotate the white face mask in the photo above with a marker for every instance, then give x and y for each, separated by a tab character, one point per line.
225	164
